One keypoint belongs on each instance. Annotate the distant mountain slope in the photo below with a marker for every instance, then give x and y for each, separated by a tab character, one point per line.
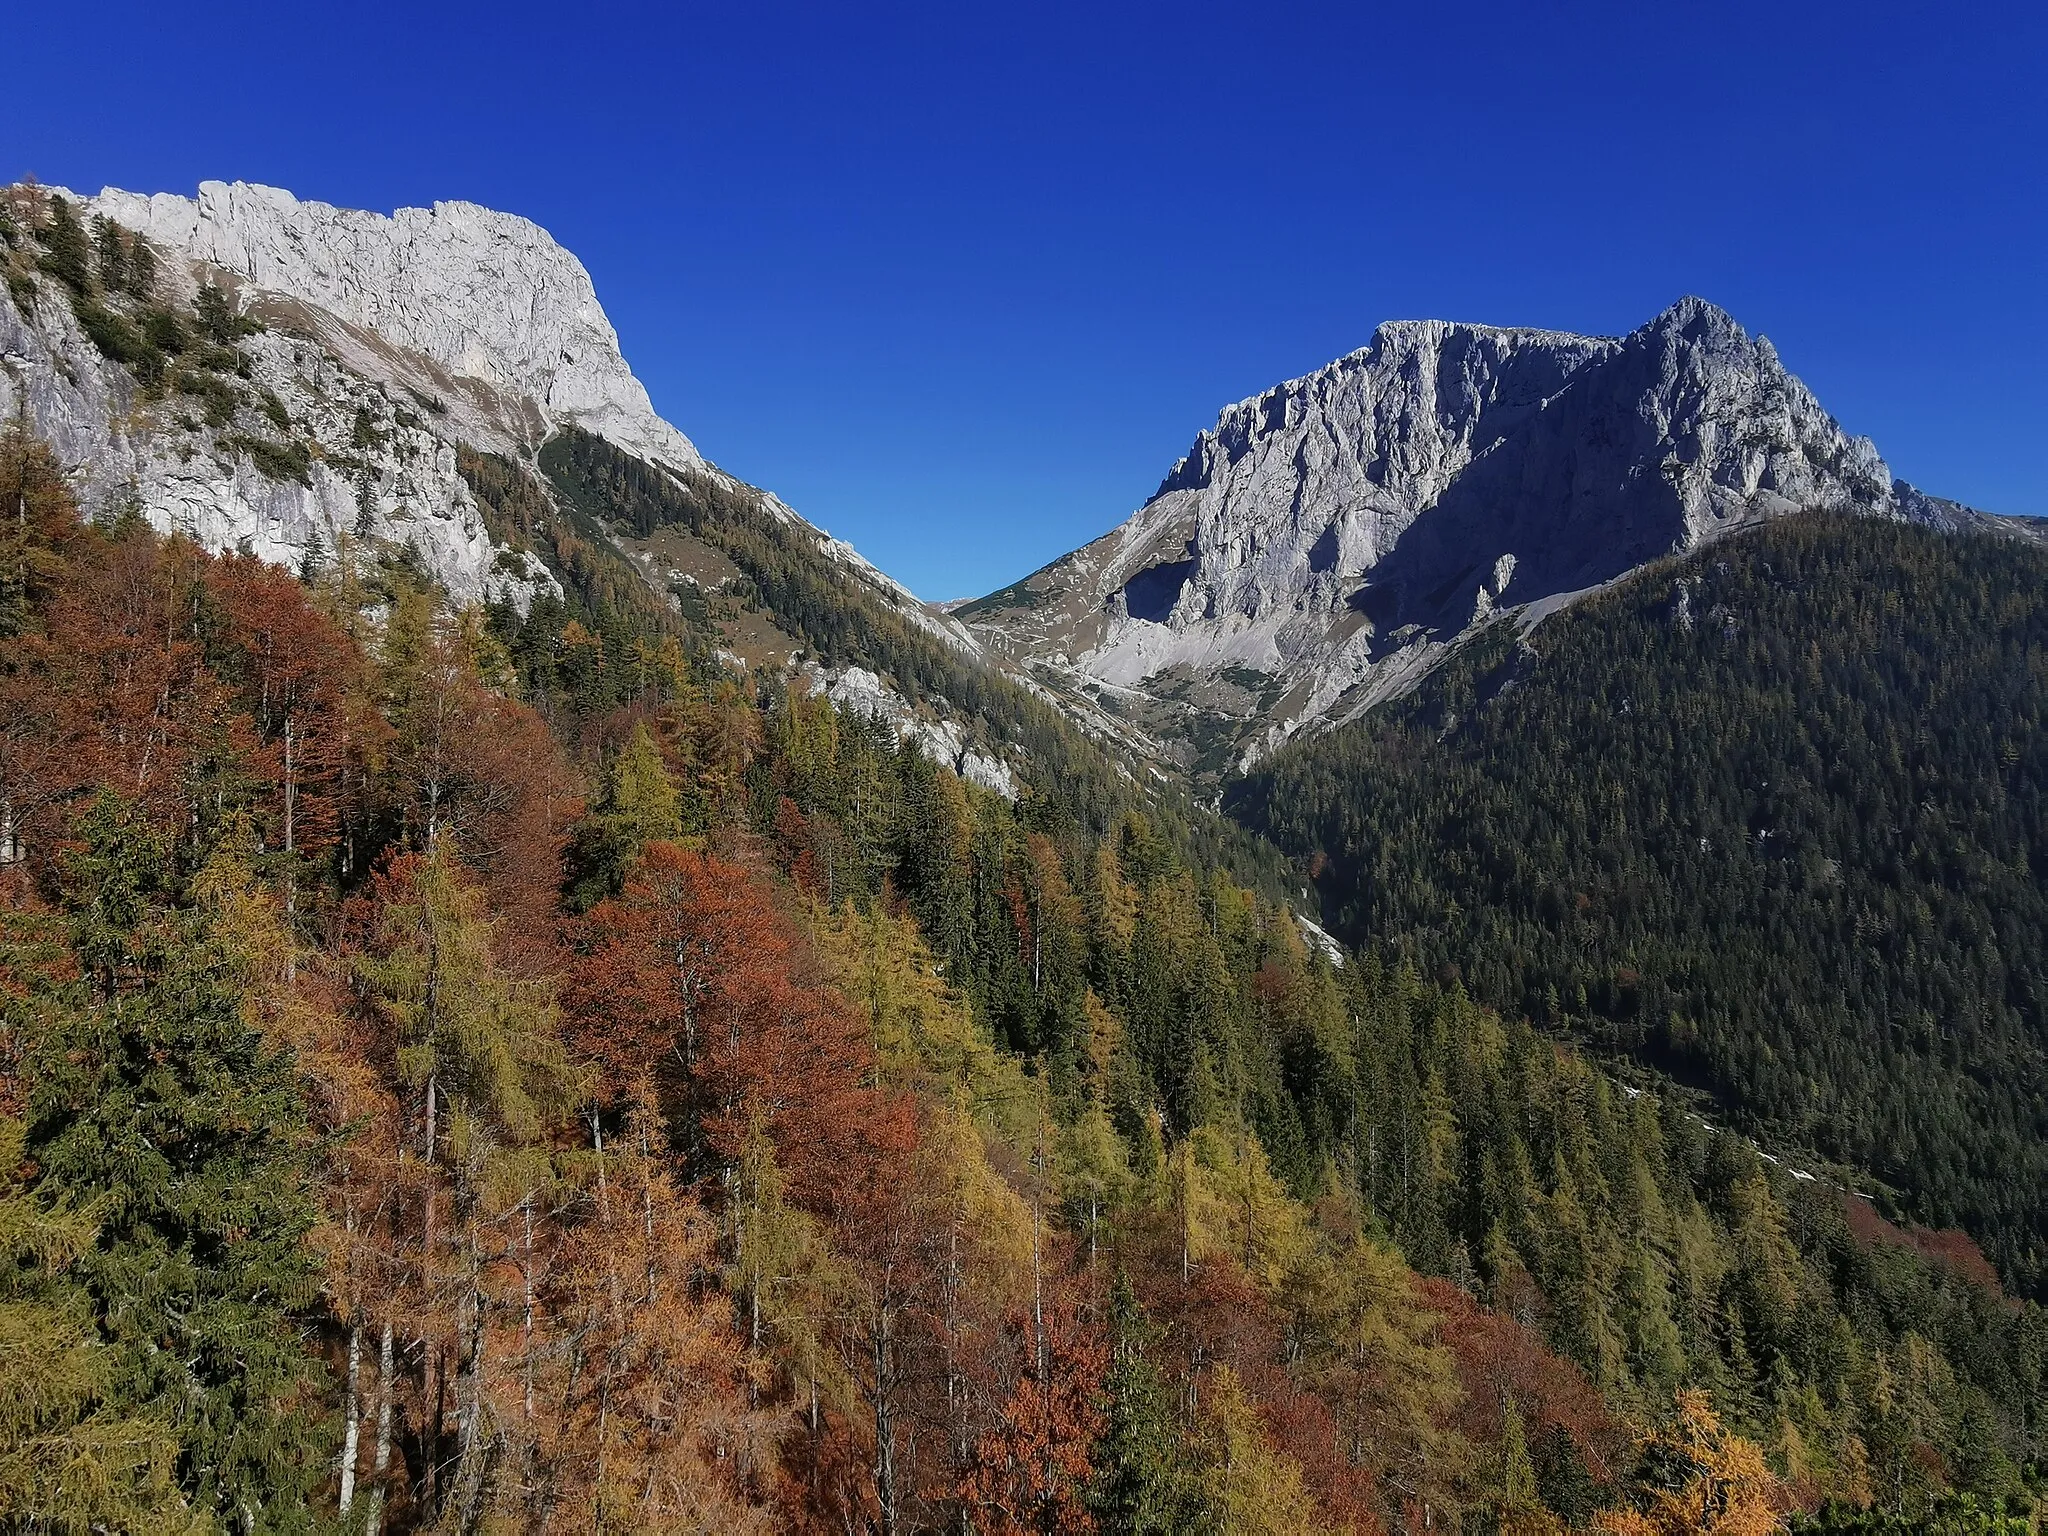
1773	817
1316	549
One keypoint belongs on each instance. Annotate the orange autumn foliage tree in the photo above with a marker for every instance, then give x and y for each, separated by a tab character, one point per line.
694	980
694	1189
621	1378
1030	1470
1700	1479
301	683
571	1368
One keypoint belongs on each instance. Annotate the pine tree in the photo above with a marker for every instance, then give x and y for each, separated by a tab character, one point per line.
639	806
1251	1488
69	1462
1699	1479
37	521
641	792
484	1073
112	252
68	251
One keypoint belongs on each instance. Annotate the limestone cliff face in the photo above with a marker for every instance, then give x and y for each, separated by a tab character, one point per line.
1318	547
385	342
487	297
380	344
374	466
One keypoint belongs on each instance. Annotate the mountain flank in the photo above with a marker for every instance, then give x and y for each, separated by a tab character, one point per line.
538	991
1771	818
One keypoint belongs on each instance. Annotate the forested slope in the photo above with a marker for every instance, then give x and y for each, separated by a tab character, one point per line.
1771	818
594	489
439	1090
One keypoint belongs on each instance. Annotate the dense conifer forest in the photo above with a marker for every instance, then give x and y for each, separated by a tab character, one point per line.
466	1070
1770	819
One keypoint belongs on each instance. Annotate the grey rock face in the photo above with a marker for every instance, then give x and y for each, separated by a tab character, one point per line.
1319	547
859	691
483	295
385	343
374	470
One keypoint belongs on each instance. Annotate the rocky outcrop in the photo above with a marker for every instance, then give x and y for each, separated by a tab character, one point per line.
858	691
384	343
375	346
350	461
484	296
1320	546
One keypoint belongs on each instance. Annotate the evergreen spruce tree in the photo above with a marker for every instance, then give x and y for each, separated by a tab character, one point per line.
112	252
155	1103
1140	1486
640	805
68	252
68	1461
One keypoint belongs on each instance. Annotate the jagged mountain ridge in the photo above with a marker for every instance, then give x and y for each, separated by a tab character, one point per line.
1320	547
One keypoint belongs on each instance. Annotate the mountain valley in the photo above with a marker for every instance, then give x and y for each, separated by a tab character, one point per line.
541	991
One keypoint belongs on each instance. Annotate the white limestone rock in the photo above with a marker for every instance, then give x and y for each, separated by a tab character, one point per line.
486	296
387	342
859	691
187	477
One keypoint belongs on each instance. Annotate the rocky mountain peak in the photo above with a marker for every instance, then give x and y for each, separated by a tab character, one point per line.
289	376
1322	544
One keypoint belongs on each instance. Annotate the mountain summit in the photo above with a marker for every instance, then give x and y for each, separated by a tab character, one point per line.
439	390
1317	549
489	298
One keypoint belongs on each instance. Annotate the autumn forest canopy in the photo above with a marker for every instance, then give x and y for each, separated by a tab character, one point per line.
465	1069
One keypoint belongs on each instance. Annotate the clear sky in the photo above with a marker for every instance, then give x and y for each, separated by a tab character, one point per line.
961	281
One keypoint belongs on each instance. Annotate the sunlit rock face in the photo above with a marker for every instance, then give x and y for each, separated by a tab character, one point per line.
485	296
385	342
1319	547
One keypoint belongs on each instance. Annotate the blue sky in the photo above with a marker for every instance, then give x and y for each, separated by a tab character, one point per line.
960	282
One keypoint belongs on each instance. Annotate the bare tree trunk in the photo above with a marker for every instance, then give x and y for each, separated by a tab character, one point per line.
885	1425
291	870
382	1464
468	1480
647	1210
1187	1169
430	1432
956	1379
427	1215
526	1321
352	1430
351	1435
